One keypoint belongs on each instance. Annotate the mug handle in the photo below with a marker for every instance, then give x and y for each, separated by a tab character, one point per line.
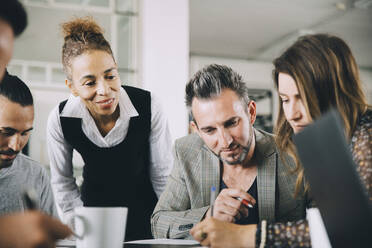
82	219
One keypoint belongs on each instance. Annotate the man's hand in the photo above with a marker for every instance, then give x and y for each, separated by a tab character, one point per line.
228	208
214	233
30	230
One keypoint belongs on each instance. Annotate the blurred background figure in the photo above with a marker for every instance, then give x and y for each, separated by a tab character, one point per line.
13	20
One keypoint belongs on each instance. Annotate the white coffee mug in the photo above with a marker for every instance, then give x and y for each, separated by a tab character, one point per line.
99	227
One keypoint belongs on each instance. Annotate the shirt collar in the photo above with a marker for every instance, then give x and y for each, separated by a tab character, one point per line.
75	108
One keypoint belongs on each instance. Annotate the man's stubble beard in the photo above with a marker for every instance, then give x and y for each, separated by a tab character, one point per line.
245	150
7	163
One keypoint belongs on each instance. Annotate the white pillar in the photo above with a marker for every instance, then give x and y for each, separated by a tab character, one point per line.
164	56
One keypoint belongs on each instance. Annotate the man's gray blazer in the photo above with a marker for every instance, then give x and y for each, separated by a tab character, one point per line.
196	169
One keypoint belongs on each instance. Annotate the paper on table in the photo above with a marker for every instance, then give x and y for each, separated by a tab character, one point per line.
66	243
164	242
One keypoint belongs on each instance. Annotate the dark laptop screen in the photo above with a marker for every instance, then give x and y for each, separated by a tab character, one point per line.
334	182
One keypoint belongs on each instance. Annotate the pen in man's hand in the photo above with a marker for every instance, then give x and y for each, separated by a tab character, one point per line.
245	202
213	197
30	200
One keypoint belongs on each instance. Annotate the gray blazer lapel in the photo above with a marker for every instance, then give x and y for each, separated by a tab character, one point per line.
210	174
266	176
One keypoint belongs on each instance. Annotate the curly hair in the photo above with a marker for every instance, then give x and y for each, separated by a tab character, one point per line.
81	35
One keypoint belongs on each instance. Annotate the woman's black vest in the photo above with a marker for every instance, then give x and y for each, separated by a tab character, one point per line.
119	175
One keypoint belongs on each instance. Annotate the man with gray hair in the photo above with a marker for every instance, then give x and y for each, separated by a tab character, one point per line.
225	152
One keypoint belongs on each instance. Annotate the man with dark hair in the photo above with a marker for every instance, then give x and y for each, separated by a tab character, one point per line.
32	228
228	153
18	172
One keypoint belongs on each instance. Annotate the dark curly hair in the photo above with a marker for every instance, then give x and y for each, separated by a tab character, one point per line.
81	35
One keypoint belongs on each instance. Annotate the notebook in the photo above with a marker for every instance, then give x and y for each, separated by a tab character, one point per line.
334	182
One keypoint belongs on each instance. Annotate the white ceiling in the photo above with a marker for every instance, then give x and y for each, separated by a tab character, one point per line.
262	29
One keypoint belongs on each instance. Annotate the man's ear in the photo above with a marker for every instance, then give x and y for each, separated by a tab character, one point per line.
194	127
252	111
71	86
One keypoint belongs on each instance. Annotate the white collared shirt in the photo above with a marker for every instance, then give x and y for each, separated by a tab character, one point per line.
60	151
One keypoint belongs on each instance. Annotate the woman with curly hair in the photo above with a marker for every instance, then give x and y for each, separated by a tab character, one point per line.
120	132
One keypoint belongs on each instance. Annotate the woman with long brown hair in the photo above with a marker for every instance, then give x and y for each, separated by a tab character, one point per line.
120	132
316	73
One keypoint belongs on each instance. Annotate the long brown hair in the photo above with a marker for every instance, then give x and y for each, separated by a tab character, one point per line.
326	75
81	35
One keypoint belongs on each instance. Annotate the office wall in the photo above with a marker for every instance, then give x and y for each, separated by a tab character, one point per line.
44	101
164	56
366	77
